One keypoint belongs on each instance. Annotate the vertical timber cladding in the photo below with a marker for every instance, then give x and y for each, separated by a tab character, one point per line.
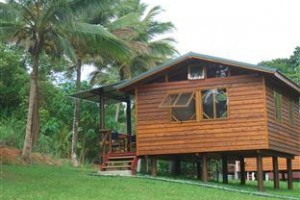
245	128
283	136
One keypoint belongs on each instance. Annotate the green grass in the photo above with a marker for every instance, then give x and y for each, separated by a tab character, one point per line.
44	182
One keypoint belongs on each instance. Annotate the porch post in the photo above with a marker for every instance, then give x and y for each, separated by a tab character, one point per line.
275	172
289	173
242	170
204	172
260	174
128	120
102	111
224	169
101	124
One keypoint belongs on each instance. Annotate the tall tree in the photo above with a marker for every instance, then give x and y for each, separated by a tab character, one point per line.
46	26
138	28
88	52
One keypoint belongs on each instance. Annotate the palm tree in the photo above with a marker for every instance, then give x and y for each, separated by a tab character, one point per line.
42	26
87	52
139	32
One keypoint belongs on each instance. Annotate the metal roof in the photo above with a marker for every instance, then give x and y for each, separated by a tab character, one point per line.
194	55
110	92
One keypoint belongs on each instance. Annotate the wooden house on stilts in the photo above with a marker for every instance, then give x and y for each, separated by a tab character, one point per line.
201	107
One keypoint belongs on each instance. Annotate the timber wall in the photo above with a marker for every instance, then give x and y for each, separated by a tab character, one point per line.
283	136
244	129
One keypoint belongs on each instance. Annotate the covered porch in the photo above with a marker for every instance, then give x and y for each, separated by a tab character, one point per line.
117	150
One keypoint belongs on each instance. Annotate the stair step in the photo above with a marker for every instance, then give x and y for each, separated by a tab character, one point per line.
119	161
117	166
120	154
116	173
121	157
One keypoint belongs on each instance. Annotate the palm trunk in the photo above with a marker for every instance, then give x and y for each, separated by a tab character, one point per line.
117	113
35	125
31	125
76	116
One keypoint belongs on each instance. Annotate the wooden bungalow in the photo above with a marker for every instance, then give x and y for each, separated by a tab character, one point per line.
200	107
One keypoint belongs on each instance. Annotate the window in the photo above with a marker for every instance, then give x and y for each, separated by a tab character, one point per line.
278	102
214	104
188	113
182	106
291	112
196	72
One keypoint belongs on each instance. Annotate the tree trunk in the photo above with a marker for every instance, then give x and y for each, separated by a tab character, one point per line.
117	113
76	116
32	116
35	124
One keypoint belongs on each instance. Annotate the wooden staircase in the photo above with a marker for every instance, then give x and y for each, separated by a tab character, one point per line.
122	161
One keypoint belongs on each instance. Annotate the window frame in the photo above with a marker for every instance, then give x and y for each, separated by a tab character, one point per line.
177	98
189	77
278	108
197	95
171	116
214	105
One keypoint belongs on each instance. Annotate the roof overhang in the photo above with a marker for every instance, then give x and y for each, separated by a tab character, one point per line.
111	94
131	83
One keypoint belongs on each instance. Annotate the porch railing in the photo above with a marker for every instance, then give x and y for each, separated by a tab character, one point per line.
108	145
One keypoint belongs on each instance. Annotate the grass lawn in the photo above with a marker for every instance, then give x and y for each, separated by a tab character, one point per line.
44	182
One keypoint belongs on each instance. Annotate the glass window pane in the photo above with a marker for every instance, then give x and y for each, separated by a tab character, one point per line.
185	113
221	103
196	72
184	99
207	104
169	100
277	100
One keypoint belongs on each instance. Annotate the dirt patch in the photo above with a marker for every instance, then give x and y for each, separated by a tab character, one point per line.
10	155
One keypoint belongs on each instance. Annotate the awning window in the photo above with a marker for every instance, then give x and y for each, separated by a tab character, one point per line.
177	100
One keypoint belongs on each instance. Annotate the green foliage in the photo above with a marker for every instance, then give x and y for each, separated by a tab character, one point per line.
288	66
14	79
11	131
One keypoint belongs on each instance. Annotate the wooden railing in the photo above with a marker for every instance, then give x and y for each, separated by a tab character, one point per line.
108	145
105	143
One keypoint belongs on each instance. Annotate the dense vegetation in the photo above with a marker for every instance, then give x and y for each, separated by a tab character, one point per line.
44	45
44	182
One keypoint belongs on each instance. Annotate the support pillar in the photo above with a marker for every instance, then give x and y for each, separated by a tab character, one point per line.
153	166
204	171
289	173
102	111
242	170
198	166
128	120
101	125
260	174
177	166
225	169
275	172
283	176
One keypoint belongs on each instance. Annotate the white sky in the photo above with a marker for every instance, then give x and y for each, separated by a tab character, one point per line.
248	30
